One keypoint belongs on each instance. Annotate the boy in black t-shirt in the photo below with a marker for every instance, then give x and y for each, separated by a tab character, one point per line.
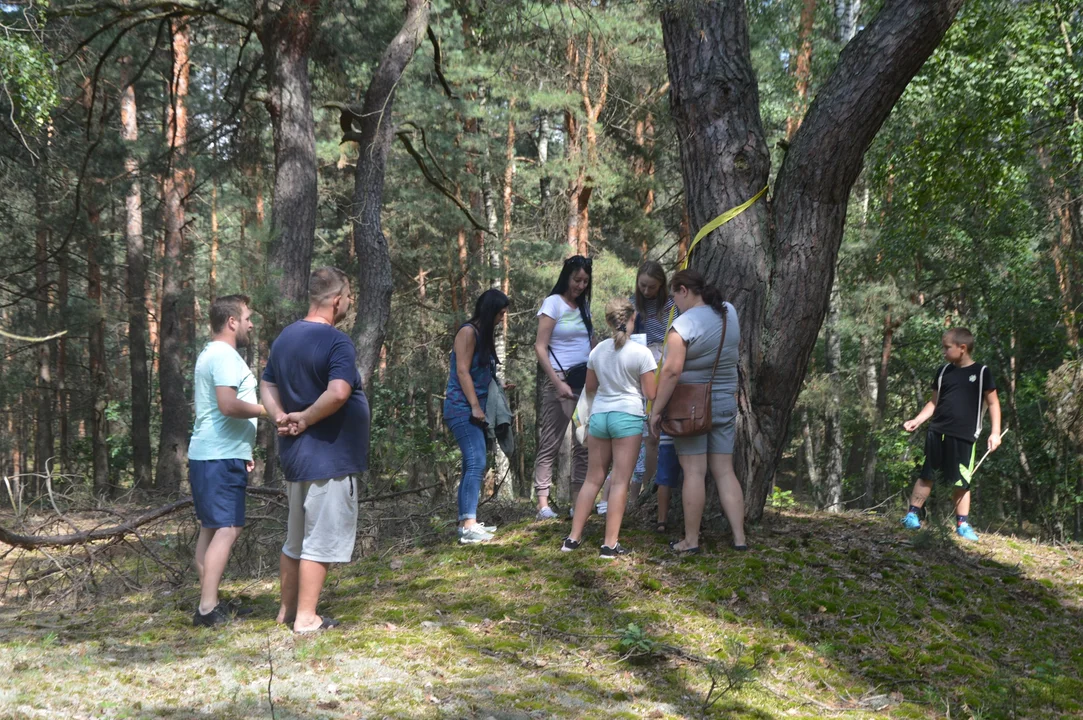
962	389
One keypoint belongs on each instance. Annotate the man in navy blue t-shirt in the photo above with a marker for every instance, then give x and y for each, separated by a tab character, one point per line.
312	387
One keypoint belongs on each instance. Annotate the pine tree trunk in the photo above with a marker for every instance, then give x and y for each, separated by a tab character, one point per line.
43	437
176	417
286	36
873	447
376	130
803	67
99	431
137	289
776	261
62	363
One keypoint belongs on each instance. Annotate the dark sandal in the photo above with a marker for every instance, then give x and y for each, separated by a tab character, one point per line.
686	551
660	528
740	548
326	623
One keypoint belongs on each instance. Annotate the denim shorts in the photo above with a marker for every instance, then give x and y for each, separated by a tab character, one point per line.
669	467
615	425
218	492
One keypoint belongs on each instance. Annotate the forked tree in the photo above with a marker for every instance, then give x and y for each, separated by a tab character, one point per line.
776	261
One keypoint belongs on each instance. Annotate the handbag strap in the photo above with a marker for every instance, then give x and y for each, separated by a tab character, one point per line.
554	356
721	342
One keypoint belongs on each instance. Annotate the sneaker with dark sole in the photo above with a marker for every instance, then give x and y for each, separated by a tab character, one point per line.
570	545
611	553
219	616
237	610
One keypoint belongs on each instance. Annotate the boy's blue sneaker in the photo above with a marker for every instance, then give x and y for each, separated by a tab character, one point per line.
911	521
966	532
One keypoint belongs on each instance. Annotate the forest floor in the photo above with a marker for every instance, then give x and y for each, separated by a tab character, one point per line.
845	616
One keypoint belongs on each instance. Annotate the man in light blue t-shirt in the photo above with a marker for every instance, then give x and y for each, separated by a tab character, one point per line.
220	453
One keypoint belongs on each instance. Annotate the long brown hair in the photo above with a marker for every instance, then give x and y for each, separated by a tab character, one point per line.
697	285
654	271
618	312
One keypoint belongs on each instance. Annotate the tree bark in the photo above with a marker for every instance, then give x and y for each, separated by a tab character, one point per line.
137	288
776	261
832	476
803	67
286	33
62	361
43	438
374	135
873	446
99	431
176	417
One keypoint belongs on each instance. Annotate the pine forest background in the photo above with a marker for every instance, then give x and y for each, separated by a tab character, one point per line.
142	141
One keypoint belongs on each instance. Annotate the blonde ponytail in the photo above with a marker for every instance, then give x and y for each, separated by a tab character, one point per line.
618	313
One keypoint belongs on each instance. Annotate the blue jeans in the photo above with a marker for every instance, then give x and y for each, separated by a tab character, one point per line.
471	441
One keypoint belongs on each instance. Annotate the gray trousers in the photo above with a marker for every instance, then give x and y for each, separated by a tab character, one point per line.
555	414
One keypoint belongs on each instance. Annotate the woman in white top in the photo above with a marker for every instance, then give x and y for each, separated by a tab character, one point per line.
563	343
620	374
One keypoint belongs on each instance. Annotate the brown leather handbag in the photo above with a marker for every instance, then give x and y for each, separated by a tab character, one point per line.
688	412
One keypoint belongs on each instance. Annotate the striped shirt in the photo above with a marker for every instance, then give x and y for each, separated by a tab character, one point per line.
654	323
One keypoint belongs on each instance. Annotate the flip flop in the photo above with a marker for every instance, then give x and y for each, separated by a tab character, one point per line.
740	548
326	623
660	528
686	551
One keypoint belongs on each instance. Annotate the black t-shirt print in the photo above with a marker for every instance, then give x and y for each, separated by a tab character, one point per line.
961	400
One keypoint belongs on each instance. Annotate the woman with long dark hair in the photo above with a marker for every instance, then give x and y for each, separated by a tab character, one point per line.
691	351
563	344
473	367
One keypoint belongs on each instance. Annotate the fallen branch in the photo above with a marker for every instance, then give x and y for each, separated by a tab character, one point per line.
130	526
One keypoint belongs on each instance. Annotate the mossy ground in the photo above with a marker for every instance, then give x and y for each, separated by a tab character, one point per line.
850	617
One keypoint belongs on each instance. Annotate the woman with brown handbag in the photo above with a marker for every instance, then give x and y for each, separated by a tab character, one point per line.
697	403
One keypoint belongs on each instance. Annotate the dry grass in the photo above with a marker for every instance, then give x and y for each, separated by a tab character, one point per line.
850	617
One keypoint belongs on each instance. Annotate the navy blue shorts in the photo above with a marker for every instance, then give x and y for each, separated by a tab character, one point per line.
218	492
669	467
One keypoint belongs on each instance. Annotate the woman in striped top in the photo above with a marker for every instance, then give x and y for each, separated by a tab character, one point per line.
653	305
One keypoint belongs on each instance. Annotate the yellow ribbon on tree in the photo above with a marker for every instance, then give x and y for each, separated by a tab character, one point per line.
703	232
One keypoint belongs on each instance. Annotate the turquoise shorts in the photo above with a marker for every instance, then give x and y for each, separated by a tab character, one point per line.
615	425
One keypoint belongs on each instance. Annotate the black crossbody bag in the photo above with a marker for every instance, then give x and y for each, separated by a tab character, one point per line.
575	376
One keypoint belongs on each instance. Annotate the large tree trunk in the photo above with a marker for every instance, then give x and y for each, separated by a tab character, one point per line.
776	261
137	289
375	130
176	417
286	34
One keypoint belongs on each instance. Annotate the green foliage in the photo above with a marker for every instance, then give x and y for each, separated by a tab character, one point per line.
781	499
635	641
27	70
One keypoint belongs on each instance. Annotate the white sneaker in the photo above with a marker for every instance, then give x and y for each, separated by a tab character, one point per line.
546	513
487	528
602	507
473	535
